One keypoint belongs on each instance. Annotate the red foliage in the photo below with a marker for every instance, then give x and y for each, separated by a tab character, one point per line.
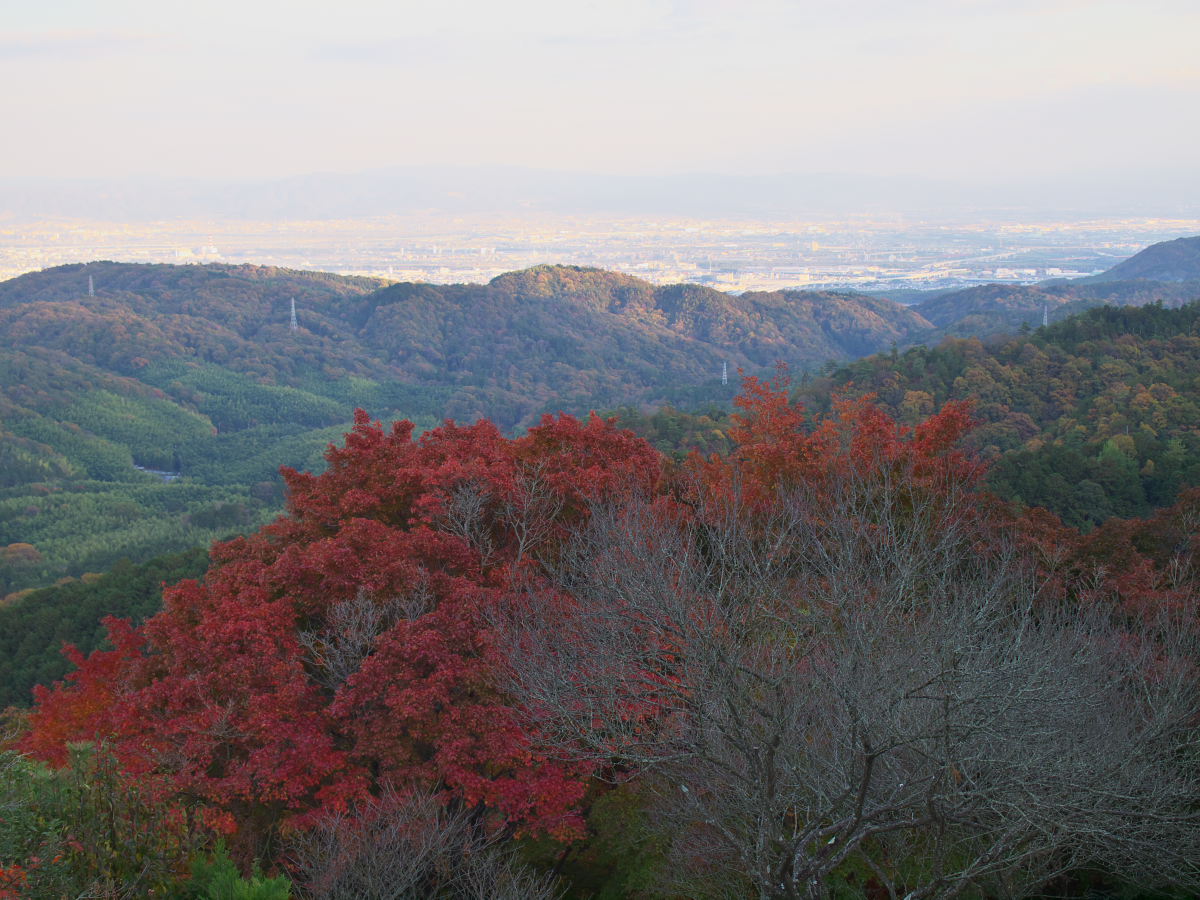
776	445
1144	564
259	693
12	881
83	709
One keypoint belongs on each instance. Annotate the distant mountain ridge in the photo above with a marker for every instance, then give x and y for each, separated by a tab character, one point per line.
990	309
552	336
1167	272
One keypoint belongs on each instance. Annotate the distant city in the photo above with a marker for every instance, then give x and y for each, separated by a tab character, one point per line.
730	254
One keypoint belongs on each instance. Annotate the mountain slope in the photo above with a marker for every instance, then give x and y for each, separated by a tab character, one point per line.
549	336
235	315
1003	308
1166	272
1094	416
196	372
1177	260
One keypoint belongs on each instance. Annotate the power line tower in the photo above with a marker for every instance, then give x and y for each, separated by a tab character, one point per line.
91	287
295	324
724	373
1045	314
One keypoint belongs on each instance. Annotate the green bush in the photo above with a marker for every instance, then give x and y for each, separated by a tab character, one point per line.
215	877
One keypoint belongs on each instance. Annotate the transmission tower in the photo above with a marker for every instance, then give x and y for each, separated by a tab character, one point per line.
295	324
724	373
91	287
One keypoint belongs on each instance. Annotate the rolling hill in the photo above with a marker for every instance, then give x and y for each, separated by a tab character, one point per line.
194	371
527	341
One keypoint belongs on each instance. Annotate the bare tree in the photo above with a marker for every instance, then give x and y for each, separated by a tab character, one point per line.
410	848
467	516
352	627
532	510
521	521
862	678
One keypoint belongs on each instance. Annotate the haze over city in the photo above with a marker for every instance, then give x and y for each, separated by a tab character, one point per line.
865	144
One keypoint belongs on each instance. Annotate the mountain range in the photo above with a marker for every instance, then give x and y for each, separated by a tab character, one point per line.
527	342
108	370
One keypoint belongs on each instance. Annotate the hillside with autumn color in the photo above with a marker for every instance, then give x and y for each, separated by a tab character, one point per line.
492	661
152	414
825	663
1092	417
527	340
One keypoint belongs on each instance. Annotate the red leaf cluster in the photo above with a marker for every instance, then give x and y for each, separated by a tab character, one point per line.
350	643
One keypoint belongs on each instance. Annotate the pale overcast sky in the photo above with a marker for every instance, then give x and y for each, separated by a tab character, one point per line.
959	88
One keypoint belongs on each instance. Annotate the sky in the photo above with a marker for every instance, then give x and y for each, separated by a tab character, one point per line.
965	89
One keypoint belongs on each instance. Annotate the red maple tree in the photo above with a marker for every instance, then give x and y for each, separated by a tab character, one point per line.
350	643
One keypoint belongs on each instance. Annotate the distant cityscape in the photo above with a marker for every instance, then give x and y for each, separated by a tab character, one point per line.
729	254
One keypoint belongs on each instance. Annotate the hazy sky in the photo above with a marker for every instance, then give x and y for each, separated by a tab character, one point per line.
974	88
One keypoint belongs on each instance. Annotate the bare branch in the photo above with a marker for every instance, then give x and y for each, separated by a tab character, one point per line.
865	671
410	847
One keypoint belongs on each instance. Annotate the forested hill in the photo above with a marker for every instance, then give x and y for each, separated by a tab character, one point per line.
1177	260
546	337
235	316
195	371
578	337
1094	416
1005	308
1166	272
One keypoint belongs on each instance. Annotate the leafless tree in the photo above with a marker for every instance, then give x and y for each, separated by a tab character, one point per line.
532	511
863	677
523	519
410	848
348	634
466	516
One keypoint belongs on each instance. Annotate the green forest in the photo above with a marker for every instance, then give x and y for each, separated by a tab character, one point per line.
34	628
